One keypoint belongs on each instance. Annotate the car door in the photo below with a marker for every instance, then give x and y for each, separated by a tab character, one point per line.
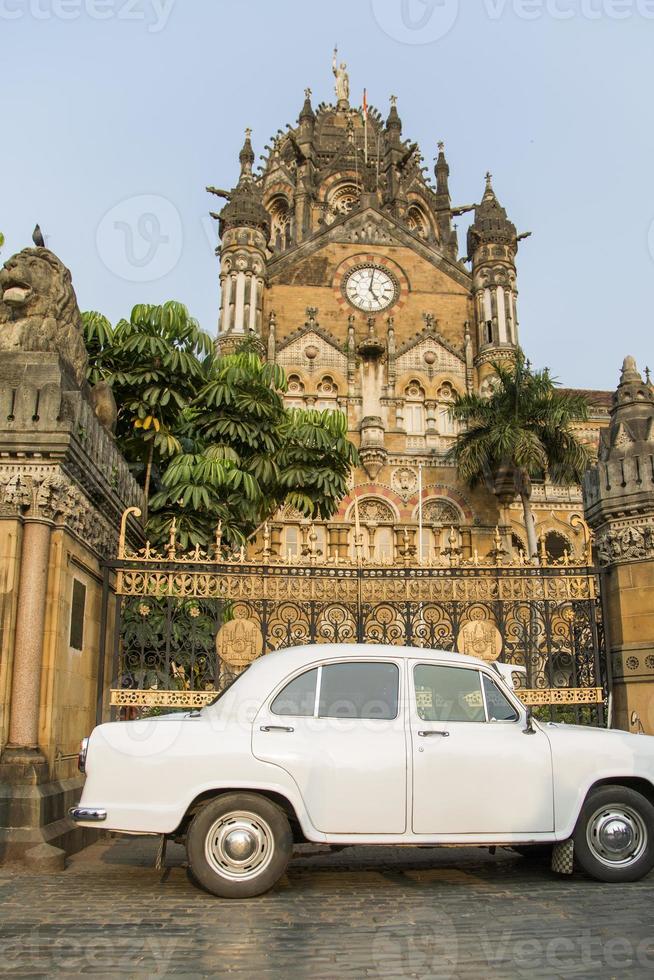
339	730
475	770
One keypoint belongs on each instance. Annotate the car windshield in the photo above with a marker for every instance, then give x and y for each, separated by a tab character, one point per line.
227	687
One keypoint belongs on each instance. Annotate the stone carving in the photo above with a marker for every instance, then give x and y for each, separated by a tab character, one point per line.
239	642
42	491
39	311
441	512
626	544
375	511
104	405
404	482
342	79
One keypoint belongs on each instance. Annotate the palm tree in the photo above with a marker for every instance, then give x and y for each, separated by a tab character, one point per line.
523	430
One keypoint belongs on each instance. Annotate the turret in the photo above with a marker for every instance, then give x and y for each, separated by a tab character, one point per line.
306	166
446	233
244	231
492	247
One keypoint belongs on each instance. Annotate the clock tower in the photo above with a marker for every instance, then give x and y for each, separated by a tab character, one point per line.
340	259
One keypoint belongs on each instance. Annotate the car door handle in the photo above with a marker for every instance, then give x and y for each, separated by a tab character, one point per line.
276	728
433	732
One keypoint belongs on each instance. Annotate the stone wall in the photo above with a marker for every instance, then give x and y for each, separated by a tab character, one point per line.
619	502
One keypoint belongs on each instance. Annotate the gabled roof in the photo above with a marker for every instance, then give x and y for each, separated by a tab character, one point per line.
429	333
308	328
394	229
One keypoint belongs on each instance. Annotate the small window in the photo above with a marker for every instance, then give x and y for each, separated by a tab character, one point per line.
448	693
78	605
298	697
363	690
499	708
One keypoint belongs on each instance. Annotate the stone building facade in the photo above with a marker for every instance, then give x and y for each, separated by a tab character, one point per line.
340	259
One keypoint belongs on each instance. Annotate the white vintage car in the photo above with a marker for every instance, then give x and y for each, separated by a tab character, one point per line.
369	745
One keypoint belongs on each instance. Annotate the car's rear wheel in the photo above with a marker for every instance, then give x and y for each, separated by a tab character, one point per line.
238	845
614	836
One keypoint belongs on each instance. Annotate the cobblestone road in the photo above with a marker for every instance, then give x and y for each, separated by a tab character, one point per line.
362	912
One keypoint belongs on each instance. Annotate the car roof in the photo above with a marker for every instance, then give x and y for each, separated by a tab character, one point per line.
310	652
266	672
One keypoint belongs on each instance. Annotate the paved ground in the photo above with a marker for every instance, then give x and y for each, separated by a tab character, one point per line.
363	912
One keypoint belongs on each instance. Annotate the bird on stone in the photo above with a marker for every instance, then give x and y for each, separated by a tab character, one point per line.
37	237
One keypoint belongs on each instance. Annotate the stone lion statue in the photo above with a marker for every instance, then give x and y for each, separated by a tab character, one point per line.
39	311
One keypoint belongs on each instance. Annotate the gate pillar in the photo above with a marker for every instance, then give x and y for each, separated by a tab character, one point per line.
63	488
619	505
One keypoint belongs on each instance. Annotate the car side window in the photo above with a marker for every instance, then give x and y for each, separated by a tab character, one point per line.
359	690
498	706
298	697
448	693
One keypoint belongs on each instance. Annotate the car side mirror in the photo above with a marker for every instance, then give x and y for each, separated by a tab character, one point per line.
529	727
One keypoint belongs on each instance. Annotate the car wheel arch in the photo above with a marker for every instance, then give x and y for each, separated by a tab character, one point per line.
638	783
275	797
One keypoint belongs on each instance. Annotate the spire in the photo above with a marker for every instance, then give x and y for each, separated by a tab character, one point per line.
246	157
491	223
442	171
245	206
307	115
394	123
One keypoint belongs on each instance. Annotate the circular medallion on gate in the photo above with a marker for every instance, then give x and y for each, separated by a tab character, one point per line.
480	639
239	642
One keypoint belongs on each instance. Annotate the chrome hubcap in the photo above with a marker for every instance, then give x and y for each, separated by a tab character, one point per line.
617	835
239	845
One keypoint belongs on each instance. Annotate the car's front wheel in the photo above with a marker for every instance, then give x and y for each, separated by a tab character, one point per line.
614	836
238	845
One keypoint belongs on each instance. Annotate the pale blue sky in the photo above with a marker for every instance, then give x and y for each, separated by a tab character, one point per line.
144	102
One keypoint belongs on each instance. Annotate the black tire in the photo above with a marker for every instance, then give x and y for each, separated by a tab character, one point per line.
603	855
534	852
238	845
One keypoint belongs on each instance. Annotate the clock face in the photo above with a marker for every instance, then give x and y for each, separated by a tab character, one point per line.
370	289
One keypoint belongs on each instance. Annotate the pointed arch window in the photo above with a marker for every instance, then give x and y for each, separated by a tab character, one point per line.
414	409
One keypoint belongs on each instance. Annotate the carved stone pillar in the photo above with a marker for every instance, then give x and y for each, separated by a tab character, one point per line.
619	505
30	619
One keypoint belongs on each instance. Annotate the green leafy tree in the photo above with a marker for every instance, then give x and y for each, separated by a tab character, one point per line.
524	430
246	455
155	363
210	438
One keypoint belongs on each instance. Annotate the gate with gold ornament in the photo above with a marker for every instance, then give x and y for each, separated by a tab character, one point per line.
186	624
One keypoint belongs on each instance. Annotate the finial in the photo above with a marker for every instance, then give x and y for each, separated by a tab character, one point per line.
307	93
489	179
630	371
648	379
248	133
393	101
441	146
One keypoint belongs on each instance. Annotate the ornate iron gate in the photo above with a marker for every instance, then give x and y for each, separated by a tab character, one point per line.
184	624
